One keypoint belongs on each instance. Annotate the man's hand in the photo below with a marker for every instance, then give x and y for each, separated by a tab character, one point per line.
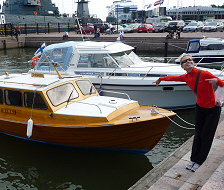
157	82
212	81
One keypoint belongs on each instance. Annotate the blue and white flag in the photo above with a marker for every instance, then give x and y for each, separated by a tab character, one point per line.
148	6
40	50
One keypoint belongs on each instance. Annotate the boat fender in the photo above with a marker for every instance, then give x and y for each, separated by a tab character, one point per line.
34	60
29	128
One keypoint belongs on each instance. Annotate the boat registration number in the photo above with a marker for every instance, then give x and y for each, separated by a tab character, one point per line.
9	111
41	75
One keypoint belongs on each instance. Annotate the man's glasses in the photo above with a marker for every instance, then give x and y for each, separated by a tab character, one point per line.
186	60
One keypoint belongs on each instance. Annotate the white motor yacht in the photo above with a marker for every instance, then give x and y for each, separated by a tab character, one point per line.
114	67
206	51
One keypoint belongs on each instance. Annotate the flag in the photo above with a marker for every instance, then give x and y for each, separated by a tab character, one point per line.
40	50
158	2
148	6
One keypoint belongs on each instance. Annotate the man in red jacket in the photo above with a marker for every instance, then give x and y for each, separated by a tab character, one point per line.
207	114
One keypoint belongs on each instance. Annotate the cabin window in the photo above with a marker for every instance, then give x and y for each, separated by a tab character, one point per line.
13	98
193	46
61	94
86	87
45	58
34	100
1	96
96	61
213	47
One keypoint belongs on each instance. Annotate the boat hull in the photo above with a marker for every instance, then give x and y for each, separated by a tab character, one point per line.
134	136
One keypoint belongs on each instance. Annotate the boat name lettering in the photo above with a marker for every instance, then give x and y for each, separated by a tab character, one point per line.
41	75
8	111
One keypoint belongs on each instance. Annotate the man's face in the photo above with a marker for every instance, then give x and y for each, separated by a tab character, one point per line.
187	63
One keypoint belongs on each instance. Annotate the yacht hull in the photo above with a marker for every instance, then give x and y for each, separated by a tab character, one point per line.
122	134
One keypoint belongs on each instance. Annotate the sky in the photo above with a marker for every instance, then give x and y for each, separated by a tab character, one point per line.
98	7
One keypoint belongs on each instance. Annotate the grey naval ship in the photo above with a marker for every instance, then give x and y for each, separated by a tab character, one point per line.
40	11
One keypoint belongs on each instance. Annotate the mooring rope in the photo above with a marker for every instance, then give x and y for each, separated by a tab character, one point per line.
154	110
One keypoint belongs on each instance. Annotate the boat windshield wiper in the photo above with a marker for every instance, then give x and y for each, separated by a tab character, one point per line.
70	97
91	90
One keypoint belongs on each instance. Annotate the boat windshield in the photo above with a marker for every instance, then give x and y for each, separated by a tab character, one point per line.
125	59
86	87
62	93
193	47
61	56
121	59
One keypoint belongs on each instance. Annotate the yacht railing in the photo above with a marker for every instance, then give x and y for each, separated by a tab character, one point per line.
88	104
160	59
147	73
113	92
112	73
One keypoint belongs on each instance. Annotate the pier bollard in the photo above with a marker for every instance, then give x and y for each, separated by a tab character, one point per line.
37	29
59	28
4	44
5	29
166	51
25	29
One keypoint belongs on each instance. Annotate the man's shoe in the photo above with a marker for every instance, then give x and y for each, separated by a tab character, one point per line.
190	165
195	167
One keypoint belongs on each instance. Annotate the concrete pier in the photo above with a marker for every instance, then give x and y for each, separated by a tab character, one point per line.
145	42
171	174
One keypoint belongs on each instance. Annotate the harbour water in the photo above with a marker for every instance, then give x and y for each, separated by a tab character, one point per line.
29	165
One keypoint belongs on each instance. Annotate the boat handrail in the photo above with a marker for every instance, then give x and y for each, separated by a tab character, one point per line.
199	61
222	69
112	73
115	93
159	59
88	104
147	73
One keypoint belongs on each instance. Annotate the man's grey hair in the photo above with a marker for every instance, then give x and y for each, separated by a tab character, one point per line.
182	56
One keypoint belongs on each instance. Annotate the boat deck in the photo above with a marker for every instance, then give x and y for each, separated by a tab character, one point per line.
171	174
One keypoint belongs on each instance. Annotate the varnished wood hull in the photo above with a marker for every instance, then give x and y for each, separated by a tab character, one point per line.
134	136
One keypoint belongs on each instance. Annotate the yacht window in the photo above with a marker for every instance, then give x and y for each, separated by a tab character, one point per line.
45	58
213	47
13	98
124	59
34	100
193	46
61	94
1	96
58	55
86	87
96	61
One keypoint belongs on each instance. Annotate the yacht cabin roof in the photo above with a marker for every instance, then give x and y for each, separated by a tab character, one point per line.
26	82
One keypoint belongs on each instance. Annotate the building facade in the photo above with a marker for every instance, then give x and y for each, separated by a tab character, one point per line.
201	13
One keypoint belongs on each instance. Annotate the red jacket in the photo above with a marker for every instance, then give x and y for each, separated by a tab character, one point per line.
205	91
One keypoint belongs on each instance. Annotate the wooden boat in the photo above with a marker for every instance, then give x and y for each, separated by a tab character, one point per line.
67	110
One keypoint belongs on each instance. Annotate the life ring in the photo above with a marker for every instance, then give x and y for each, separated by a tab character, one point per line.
35	12
38	2
34	60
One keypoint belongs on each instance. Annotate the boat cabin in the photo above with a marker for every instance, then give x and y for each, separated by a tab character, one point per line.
208	44
23	95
